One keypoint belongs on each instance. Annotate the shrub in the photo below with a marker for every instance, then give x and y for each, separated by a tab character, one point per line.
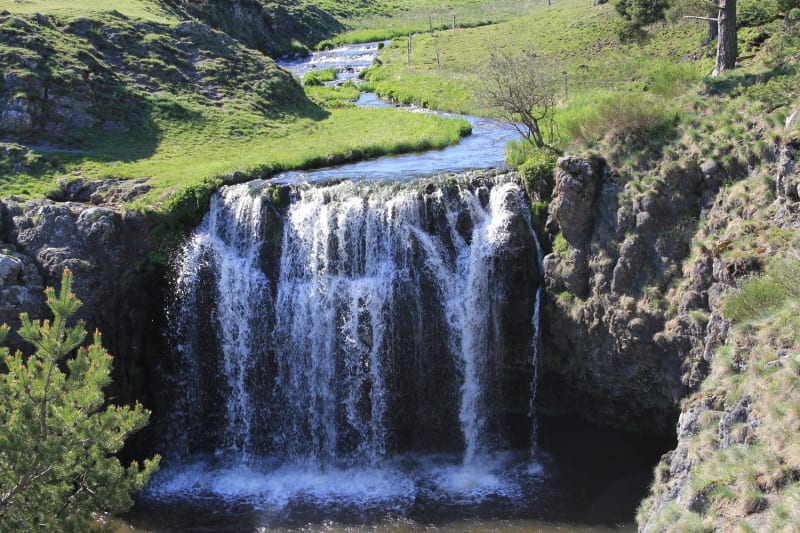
535	166
560	246
57	436
319	77
760	295
756	12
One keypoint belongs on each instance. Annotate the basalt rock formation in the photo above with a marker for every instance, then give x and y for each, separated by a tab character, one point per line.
609	351
107	250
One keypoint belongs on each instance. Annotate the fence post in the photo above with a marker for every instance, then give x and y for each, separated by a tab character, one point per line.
438	71
408	49
454	21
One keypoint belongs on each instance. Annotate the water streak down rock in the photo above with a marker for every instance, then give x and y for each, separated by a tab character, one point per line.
353	321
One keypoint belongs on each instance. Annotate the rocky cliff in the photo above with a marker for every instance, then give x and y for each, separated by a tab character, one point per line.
107	249
736	465
610	351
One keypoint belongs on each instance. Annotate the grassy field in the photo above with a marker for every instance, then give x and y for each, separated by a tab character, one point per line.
192	107
576	39
201	153
387	20
149	10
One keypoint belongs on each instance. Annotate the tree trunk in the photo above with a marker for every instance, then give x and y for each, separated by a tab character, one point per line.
713	31
727	46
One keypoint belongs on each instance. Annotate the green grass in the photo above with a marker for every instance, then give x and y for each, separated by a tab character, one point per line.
150	10
584	49
333	96
214	144
195	105
761	295
319	76
387	19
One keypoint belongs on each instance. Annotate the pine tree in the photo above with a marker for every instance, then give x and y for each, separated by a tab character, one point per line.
57	436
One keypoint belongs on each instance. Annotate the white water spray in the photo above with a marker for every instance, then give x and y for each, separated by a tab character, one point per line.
374	285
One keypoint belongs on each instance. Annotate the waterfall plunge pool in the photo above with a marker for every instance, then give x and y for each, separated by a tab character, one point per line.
584	479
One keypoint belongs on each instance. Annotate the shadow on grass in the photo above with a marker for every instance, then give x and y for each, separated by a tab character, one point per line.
737	82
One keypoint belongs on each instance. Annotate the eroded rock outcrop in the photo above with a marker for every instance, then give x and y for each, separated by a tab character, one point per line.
612	352
721	426
107	250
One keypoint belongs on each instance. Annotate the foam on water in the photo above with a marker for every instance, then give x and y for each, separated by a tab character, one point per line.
394	484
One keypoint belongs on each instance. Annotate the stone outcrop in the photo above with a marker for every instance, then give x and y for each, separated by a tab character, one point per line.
107	250
612	352
709	419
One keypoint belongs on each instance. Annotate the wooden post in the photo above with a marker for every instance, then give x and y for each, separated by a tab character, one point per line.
408	50
566	88
438	71
454	21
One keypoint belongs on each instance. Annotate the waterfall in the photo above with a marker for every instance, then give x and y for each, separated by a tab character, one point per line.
356	321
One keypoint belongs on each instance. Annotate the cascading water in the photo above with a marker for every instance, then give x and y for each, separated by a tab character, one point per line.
376	288
349	332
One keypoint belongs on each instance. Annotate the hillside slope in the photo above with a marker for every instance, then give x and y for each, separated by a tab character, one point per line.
151	90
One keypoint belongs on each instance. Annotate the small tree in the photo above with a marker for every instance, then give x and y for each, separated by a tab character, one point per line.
637	14
57	440
523	90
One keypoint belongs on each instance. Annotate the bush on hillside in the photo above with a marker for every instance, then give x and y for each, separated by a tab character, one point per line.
756	12
759	295
536	167
58	438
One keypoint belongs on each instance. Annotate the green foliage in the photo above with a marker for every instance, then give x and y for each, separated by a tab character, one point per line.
57	437
763	294
536	167
672	79
566	297
319	77
756	12
560	246
637	15
635	117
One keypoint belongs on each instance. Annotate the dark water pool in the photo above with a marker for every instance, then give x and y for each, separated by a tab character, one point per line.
582	478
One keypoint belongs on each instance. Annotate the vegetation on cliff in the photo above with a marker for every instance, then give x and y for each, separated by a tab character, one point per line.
682	208
58	439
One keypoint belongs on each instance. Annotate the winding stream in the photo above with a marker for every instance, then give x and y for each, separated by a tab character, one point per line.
353	384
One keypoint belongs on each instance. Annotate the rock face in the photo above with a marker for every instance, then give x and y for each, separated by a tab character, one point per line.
269	27
610	350
717	418
120	291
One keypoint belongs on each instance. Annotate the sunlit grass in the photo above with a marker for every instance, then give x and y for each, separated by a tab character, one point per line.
141	9
211	147
573	36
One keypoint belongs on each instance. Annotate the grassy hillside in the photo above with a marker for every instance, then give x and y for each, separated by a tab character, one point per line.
138	92
145	10
737	465
578	40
